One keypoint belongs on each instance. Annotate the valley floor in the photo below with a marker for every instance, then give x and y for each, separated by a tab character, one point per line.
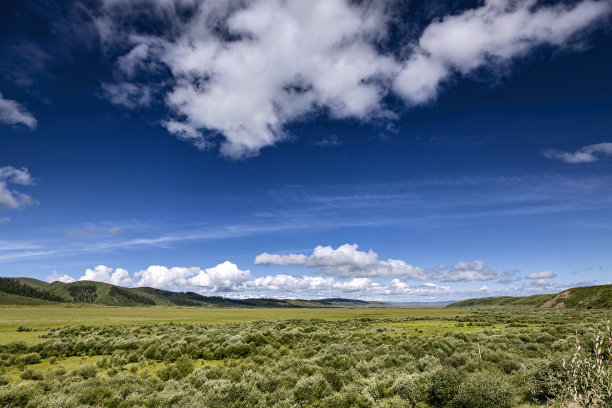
330	357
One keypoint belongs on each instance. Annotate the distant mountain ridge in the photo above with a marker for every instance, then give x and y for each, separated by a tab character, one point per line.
586	297
29	291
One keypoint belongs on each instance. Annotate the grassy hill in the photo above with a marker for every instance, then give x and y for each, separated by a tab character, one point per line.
28	291
587	297
35	283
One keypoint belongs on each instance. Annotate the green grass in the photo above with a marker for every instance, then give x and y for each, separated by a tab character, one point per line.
99	355
44	317
72	363
68	363
439	326
10	299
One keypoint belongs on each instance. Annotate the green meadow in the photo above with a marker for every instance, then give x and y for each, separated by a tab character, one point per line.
42	317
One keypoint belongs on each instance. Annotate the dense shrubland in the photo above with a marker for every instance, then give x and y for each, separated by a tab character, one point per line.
526	357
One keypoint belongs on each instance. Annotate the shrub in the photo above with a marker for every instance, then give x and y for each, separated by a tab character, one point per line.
444	387
30	358
309	389
545	380
588	376
85	372
30	374
484	390
177	371
411	388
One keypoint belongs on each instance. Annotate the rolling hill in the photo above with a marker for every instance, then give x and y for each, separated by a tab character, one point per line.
29	291
587	297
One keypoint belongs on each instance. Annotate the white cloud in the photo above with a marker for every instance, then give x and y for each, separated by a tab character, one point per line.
223	277
501	30
489	36
541	275
161	277
226	278
126	94
317	286
12	199
542	284
12	113
469	271
4	220
244	70
103	273
55	277
586	154
346	261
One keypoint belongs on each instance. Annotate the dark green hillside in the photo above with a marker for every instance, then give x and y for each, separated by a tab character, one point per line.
587	297
99	293
15	287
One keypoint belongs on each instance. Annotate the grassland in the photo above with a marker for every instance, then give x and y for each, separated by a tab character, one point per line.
41	318
95	356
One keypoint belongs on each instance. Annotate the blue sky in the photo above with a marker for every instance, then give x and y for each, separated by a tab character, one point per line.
376	150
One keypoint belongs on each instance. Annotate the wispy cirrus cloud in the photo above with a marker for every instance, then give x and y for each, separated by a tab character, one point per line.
240	71
586	154
416	205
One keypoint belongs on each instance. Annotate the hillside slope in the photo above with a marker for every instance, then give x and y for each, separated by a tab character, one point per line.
27	291
586	297
35	283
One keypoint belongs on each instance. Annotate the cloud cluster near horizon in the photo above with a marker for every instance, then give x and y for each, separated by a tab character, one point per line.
347	261
227	279
240	71
344	271
586	154
10	198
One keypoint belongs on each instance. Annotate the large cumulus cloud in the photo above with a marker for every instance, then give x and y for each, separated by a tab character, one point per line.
238	72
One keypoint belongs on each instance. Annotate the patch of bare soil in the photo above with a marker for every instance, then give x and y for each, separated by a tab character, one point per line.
553	302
